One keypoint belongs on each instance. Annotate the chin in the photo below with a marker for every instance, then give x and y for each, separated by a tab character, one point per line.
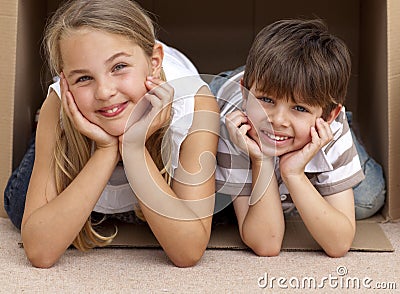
115	132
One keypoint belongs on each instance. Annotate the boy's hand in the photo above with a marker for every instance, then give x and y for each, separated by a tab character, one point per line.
83	125
238	127
294	163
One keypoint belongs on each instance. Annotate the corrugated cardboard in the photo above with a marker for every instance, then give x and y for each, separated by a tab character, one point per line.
227	236
379	103
217	40
8	49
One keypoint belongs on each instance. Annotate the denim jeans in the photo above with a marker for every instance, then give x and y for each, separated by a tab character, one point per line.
369	194
17	186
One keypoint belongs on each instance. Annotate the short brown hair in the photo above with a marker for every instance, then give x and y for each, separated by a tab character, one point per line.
299	60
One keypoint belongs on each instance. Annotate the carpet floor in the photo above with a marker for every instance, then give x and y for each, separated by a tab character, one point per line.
219	271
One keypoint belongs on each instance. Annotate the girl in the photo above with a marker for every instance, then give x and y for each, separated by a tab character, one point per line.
107	58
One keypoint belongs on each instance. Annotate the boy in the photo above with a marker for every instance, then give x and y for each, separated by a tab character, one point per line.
289	140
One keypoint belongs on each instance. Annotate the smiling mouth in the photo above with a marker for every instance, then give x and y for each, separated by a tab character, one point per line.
114	110
276	138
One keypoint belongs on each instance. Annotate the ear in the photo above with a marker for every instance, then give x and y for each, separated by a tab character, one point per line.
156	60
244	95
334	113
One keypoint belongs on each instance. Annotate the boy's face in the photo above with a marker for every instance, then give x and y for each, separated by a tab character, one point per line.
279	126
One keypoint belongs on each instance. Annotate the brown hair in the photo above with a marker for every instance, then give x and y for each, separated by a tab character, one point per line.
299	60
73	150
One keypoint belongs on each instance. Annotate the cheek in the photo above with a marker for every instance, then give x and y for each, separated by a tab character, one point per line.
303	132
135	92
256	114
83	100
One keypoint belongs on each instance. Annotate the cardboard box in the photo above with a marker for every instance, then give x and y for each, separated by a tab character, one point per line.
217	36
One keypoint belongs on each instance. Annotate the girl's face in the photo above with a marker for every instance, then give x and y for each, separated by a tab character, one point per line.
279	125
106	75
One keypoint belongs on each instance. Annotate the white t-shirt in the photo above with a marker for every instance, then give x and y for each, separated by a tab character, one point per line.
183	76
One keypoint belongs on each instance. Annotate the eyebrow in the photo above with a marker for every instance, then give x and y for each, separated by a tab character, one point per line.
109	60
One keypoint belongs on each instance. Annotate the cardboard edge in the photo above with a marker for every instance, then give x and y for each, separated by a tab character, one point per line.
369	237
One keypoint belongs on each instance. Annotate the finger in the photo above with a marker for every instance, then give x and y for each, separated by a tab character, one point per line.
324	131
236	118
243	129
164	92
66	97
155	102
161	89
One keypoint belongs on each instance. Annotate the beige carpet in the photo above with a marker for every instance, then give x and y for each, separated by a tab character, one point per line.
220	271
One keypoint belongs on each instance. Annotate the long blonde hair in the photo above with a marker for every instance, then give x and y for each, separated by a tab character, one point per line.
73	150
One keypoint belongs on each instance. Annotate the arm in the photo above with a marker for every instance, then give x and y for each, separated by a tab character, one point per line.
51	222
261	224
182	228
330	220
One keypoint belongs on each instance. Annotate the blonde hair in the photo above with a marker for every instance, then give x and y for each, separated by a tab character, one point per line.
73	150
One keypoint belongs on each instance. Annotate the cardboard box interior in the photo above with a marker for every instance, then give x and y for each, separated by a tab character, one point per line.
216	36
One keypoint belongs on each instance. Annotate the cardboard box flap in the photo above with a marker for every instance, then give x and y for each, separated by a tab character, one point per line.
369	237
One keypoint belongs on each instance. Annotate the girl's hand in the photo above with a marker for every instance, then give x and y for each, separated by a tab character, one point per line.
294	163
84	126
238	128
158	113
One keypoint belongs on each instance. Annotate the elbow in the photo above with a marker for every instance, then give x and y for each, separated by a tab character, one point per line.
338	250
266	247
41	260
188	256
186	259
266	250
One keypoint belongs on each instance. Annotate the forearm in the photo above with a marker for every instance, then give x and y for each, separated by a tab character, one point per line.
332	229
263	226
181	227
51	229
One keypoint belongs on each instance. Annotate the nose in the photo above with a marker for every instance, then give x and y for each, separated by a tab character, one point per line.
105	89
278	116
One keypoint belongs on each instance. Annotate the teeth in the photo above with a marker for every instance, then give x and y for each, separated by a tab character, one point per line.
277	138
112	110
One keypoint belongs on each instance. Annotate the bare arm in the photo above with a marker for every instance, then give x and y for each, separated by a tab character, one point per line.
330	220
261	225
51	222
182	228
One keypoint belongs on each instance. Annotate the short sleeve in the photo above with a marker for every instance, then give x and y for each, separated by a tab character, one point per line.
55	87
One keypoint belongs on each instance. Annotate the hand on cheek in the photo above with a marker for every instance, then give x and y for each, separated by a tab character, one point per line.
151	113
242	134
83	125
293	163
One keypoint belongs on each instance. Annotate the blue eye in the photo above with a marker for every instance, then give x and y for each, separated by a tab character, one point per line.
266	99
83	79
300	108
119	67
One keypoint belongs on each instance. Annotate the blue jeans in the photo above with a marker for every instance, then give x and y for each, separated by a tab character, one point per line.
15	191
369	195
